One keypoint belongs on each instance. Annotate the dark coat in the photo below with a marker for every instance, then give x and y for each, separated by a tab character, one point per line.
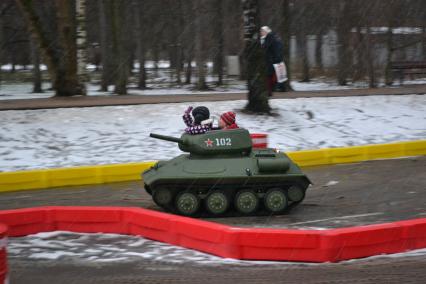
273	51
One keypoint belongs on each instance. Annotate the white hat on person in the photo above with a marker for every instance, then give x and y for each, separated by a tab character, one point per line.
266	29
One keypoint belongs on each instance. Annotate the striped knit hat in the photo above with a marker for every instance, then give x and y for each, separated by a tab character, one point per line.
228	117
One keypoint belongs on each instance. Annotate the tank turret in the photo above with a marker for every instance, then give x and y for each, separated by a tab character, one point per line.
235	142
223	173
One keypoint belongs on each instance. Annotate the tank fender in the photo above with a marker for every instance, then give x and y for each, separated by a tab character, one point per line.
308	181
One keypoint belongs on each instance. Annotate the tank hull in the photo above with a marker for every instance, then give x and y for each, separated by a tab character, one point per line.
257	177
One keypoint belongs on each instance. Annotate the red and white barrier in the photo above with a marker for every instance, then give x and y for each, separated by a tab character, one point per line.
3	255
231	242
259	140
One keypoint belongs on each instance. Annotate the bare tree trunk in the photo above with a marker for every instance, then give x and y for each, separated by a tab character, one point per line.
172	40
255	58
179	63
140	31
13	59
35	29
370	59
179	45
175	21
303	55
81	44
391	14
62	65
188	38
389	47
35	58
359	66
343	33
423	25
286	23
172	55
67	83
121	44
424	42
200	48
104	10
218	30
156	55
2	5
188	73
318	52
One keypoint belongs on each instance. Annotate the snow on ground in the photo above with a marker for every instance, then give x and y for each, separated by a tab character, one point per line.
103	135
102	248
13	91
90	67
110	248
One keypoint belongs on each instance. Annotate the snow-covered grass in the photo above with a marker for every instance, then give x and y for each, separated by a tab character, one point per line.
103	135
14	91
112	248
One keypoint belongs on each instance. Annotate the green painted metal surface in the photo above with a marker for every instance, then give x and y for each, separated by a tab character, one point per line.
222	161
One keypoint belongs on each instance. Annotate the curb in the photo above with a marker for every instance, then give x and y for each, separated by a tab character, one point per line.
331	245
86	175
51	178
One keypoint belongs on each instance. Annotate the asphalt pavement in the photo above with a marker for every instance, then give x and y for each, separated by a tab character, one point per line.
94	101
342	195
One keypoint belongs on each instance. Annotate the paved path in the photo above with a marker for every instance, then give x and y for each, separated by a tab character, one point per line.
343	195
92	101
384	270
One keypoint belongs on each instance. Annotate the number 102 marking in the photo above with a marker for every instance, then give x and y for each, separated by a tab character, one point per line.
223	142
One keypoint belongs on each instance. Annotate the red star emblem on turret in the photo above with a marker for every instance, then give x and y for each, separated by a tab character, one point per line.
209	143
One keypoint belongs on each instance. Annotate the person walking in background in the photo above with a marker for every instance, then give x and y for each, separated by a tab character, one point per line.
273	47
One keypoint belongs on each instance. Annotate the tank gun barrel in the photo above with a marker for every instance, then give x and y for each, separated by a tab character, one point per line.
167	138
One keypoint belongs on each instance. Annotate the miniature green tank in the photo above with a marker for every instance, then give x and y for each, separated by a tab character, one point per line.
223	173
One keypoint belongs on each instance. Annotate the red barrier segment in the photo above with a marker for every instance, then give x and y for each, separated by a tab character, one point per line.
3	255
232	242
414	233
259	140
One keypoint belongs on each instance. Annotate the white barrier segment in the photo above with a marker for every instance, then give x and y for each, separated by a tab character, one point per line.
259	140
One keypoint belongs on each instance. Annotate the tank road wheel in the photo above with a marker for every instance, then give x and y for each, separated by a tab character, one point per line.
162	197
246	201
275	200
217	203
187	203
296	193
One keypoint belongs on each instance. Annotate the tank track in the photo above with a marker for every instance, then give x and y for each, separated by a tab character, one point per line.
228	201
